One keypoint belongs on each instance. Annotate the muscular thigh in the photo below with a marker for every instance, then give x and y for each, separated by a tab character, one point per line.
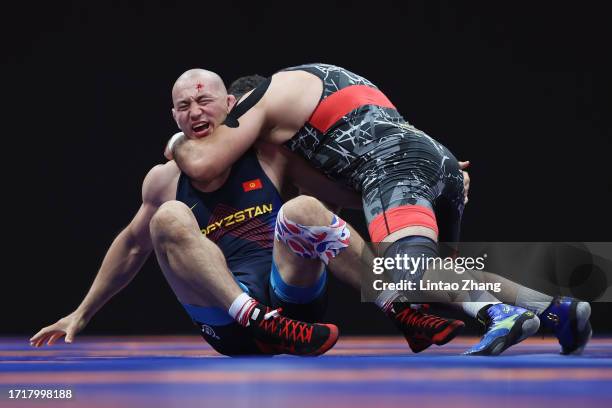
405	179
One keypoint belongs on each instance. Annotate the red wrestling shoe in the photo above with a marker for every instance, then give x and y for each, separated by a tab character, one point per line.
277	334
420	329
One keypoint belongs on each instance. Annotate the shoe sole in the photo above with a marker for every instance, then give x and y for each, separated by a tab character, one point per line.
418	347
449	333
579	321
439	339
524	327
580	349
329	343
583	314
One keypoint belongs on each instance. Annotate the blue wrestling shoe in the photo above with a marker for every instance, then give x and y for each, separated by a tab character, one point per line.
505	326
569	320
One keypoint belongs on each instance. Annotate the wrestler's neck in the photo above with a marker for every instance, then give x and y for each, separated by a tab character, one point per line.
212	185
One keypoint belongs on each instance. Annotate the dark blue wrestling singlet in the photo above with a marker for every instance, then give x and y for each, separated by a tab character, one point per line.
239	217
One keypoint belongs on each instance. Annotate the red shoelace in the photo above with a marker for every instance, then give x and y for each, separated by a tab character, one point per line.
288	329
416	318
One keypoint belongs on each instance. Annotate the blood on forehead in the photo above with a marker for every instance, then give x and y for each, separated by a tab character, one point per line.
199	86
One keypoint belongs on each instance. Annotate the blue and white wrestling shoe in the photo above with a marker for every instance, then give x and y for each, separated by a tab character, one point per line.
505	326
569	320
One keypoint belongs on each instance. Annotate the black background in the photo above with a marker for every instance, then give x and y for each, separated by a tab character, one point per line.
522	89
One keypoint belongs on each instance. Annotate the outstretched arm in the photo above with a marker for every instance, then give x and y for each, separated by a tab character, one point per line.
124	258
122	261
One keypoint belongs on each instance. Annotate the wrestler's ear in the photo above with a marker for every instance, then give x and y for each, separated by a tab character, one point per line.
231	101
174	117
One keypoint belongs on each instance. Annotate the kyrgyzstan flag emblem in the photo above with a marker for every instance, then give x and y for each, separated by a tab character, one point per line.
251	185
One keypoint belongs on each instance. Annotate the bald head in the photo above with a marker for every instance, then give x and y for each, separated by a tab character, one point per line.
200	102
199	80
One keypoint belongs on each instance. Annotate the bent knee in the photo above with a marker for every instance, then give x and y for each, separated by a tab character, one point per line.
307	210
172	218
310	230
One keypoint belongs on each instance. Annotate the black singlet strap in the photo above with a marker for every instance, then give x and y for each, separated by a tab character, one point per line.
232	118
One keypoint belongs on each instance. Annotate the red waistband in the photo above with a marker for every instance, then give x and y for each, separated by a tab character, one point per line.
395	219
338	104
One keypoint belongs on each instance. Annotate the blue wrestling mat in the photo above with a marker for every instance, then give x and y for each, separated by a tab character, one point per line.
358	372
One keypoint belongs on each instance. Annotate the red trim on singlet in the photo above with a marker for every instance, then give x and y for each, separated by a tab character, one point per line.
401	217
341	102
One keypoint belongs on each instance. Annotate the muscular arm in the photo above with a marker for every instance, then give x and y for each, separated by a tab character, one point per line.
205	159
124	258
283	109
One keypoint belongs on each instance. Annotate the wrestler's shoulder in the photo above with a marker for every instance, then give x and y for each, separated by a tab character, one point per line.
160	183
290	101
295	84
